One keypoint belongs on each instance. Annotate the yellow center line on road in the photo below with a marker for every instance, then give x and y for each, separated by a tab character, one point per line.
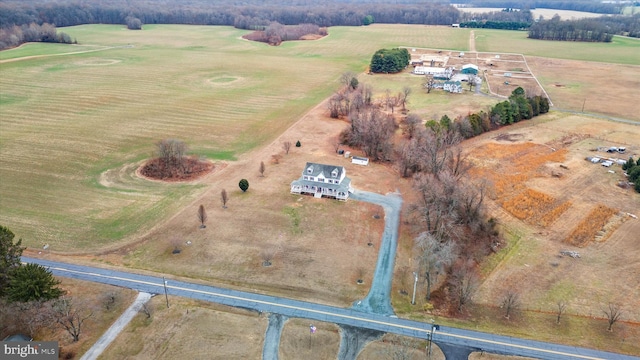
321	312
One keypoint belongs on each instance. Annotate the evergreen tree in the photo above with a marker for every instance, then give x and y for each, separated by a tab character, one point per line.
445	122
10	253
629	164
244	185
32	282
390	60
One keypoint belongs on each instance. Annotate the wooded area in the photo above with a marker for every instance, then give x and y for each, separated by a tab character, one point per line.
590	30
575	5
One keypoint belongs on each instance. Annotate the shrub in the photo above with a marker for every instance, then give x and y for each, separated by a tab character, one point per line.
244	185
298	144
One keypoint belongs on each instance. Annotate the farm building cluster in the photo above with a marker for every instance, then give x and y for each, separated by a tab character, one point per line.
502	73
447	78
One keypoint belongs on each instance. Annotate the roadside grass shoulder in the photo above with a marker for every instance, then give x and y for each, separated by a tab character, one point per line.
513	239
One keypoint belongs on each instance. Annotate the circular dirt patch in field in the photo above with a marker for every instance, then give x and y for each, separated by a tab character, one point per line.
190	169
223	80
98	62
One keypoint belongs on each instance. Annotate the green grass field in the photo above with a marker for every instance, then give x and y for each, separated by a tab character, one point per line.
76	120
621	50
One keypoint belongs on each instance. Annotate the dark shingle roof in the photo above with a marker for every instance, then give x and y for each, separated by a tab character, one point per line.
323	169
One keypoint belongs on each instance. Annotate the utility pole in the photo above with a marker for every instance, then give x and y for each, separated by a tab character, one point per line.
415	282
433	325
585	100
164	282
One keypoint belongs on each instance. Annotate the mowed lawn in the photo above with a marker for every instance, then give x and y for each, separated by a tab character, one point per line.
74	127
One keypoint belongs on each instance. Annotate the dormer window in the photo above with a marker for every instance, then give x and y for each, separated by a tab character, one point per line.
334	173
310	169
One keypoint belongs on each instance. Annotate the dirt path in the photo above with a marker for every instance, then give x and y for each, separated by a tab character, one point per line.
472	41
63	54
107	338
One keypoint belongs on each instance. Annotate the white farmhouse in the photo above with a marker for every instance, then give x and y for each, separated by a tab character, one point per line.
452	86
323	180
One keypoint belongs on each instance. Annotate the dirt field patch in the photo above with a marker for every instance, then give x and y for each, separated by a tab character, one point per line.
591	225
544	210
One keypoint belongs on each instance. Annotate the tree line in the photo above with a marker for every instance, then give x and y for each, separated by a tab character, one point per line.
507	19
590	30
576	5
16	35
275	33
251	15
632	170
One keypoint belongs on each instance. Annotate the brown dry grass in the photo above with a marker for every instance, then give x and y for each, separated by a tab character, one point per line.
593	223
190	330
578	85
90	296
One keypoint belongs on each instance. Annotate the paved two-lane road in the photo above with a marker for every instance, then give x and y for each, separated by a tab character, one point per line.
300	309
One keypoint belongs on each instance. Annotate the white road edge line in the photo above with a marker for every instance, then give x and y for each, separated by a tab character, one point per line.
337	315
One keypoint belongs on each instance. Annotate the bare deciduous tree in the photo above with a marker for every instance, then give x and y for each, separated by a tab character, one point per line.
411	124
433	257
171	151
510	301
147	310
202	216
429	83
267	254
561	307
109	300
408	157
347	78
464	281
262	168
70	316
437	206
286	146
613	313
224	198
404	97
334	105
471	198
372	130
437	148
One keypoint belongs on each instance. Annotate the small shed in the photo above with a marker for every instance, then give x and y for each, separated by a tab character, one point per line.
469	69
360	160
